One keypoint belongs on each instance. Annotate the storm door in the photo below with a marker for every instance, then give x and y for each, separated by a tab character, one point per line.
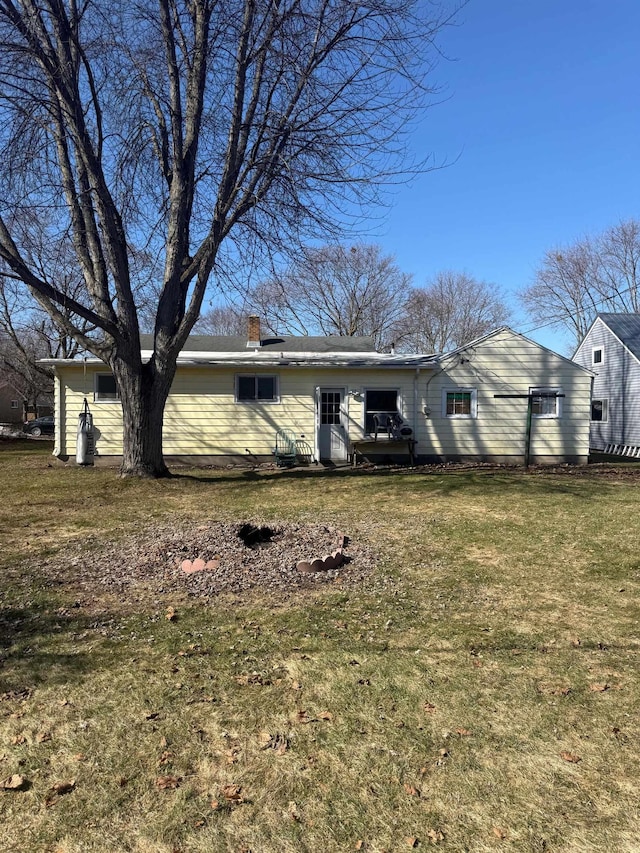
332	435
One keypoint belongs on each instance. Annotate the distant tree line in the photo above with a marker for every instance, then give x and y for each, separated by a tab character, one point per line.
358	290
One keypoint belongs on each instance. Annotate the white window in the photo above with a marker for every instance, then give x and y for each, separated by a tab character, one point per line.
600	410
105	389
380	404
546	402
459	403
14	404
256	389
597	355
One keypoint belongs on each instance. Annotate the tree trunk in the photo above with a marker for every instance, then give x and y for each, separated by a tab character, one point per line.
143	394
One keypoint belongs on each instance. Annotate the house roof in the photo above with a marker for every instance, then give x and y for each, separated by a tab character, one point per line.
626	327
298	351
285	343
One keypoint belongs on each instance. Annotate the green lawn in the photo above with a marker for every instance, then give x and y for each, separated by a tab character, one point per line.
479	692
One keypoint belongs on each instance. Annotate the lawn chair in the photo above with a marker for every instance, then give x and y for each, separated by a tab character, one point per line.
285	450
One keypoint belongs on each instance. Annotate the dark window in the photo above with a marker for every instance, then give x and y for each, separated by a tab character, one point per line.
599	410
381	403
106	387
14	404
256	388
597	356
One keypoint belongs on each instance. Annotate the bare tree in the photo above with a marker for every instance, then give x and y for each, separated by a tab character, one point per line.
200	132
223	320
573	283
336	290
452	309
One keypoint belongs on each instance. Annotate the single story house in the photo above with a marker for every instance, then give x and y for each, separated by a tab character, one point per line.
611	350
500	398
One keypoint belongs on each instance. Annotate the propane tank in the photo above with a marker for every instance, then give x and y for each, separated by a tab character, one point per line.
86	443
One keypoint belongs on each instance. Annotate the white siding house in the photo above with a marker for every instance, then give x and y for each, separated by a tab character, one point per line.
501	398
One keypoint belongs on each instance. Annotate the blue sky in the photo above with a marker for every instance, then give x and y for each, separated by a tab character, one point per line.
542	129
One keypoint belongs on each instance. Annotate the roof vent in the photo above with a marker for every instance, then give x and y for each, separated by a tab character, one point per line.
253	334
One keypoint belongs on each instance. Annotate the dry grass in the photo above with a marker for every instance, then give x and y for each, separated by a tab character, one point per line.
448	702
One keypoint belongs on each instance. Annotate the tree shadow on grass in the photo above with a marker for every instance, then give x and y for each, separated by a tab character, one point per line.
42	646
583	482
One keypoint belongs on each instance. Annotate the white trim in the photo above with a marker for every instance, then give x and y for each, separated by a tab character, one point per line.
473	402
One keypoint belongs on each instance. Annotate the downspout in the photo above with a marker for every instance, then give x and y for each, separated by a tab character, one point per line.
58	413
316	424
416	377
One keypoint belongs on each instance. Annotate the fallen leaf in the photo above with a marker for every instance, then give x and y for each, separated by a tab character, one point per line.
359	845
294	812
165	758
215	805
43	737
569	756
18	739
277	742
435	836
171	614
411	841
429	707
499	833
233	793
61	788
463	732
296	685
13	783
79	756
325	715
411	790
599	688
57	790
168	783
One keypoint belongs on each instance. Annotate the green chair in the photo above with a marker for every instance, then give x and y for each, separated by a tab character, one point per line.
285	450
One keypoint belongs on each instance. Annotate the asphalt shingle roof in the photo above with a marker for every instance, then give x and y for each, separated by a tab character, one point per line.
626	327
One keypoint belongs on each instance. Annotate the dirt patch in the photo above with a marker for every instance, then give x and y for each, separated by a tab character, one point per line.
152	561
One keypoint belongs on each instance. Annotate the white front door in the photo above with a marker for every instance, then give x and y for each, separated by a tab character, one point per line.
331	433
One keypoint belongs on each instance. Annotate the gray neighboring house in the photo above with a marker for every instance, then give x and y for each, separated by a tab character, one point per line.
11	404
611	350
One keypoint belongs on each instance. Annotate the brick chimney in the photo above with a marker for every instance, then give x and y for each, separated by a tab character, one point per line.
253	336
